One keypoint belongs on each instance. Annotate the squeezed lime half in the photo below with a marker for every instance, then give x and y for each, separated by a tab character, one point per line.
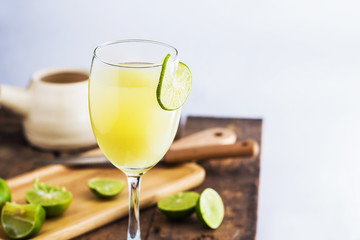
106	187
178	206
22	221
55	200
210	208
5	192
173	89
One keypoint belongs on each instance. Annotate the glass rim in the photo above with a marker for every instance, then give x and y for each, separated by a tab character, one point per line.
129	41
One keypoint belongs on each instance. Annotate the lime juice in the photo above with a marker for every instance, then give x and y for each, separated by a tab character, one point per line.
136	90
130	126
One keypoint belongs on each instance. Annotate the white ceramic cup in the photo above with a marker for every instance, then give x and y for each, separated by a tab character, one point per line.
54	107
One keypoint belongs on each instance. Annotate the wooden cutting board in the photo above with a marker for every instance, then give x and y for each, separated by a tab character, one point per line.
86	211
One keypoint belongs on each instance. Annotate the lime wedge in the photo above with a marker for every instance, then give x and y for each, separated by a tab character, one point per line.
5	192
173	89
106	187
210	208
55	200
179	206
22	220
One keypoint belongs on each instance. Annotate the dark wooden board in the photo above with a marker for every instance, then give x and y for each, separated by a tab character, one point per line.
235	179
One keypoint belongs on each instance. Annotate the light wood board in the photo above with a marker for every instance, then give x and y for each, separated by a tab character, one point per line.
88	212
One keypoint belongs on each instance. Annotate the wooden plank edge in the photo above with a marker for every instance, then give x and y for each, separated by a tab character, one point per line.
30	176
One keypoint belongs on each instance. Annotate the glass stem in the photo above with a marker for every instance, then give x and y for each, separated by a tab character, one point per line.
134	214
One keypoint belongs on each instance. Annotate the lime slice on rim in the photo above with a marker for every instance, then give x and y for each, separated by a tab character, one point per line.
5	192
173	89
55	200
22	220
210	208
178	206
106	187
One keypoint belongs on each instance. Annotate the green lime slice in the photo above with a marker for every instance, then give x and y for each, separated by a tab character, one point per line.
210	208
173	89
55	200
179	206
106	187
5	192
21	221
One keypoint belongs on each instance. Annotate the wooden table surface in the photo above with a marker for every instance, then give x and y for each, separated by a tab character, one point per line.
235	179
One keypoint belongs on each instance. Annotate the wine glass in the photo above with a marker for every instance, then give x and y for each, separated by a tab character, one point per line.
130	127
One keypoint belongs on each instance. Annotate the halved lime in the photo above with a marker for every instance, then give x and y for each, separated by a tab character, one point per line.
210	208
5	192
55	200
173	88
106	187
179	205
22	220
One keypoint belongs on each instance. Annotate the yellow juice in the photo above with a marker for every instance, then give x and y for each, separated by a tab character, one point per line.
131	128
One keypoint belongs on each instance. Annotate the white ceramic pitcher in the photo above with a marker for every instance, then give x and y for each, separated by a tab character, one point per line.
54	107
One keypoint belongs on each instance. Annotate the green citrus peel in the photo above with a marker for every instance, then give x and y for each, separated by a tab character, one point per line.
22	221
55	200
106	187
210	208
178	206
173	87
5	192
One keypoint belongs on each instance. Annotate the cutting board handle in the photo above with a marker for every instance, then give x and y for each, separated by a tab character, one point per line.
246	148
208	137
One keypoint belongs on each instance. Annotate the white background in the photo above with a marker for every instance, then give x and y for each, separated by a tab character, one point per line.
296	64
